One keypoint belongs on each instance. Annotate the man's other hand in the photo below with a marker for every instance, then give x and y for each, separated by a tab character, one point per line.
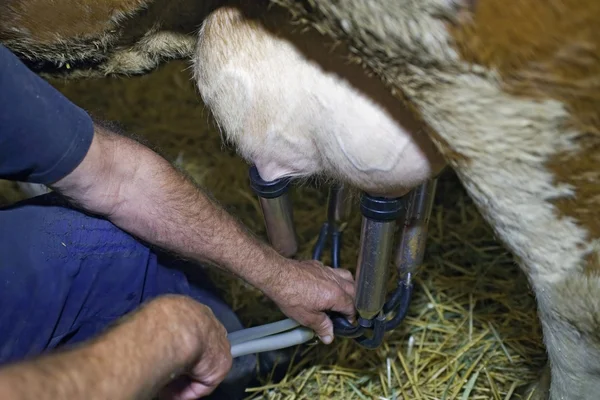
209	352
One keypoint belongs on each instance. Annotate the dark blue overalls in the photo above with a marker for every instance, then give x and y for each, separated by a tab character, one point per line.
66	275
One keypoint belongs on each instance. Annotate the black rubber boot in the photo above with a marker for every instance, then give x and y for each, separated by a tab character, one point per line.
273	366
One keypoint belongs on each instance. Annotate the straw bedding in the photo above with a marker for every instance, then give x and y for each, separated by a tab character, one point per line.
472	330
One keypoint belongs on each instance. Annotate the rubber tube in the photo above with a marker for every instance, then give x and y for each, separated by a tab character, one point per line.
321	240
402	308
378	334
270	343
256	332
343	328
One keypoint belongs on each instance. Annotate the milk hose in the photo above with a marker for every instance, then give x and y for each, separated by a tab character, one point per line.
275	336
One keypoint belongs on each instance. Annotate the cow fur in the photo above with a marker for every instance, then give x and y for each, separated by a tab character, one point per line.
87	39
510	91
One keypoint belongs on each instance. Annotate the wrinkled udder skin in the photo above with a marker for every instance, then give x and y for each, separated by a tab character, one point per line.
295	109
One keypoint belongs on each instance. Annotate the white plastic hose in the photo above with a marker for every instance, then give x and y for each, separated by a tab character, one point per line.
281	341
256	332
269	337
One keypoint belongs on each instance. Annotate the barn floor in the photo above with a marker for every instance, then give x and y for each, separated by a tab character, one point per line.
472	330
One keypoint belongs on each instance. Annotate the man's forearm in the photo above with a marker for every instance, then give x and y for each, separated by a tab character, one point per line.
132	361
140	192
159	205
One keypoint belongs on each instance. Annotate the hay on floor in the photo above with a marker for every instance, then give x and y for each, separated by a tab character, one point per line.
472	331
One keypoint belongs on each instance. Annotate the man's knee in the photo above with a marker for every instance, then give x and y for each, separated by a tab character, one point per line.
59	267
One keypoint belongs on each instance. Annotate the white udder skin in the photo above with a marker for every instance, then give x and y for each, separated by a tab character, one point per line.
292	117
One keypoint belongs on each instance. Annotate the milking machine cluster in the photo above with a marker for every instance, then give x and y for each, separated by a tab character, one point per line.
380	217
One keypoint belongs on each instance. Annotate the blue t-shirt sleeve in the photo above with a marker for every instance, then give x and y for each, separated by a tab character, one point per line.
43	135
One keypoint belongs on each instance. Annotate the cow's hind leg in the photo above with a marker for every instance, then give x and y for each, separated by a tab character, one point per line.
569	312
570	316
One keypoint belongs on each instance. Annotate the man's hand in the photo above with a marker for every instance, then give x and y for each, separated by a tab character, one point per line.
168	337
307	289
211	358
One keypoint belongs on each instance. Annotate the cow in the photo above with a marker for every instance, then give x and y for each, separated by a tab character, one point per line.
507	93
